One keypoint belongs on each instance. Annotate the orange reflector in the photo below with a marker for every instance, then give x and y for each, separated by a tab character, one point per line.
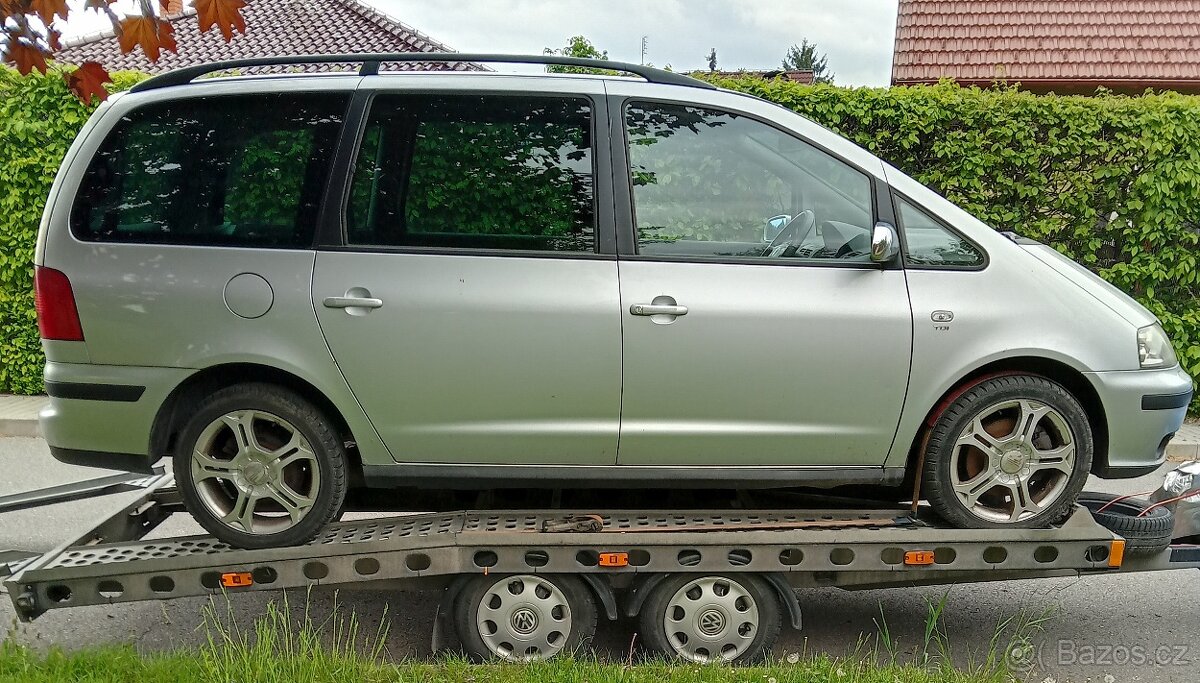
1116	553
918	558
614	559
237	579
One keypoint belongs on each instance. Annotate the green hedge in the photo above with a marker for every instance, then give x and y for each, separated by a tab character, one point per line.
1113	182
38	120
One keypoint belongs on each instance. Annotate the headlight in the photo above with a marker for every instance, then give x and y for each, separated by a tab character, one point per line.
1154	349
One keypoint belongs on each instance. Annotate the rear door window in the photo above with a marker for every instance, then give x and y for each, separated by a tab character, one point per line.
230	170
478	172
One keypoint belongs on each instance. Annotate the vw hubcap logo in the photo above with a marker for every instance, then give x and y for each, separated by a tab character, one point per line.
524	620
711	622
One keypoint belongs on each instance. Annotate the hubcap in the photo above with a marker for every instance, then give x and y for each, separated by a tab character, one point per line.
524	618
712	618
255	471
1013	460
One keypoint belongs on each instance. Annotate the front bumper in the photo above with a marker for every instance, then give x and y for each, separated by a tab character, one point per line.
1144	409
97	417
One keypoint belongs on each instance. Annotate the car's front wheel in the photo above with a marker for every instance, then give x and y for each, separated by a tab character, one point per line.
258	466
1011	451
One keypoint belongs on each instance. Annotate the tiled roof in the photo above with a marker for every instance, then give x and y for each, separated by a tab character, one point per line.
273	27
1140	43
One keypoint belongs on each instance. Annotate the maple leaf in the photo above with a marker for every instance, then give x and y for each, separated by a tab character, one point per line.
88	81
24	56
151	33
53	39
224	14
46	9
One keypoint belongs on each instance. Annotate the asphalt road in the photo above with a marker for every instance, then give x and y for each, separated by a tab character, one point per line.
1107	629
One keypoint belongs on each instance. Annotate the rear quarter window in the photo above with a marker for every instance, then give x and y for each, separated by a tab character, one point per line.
220	171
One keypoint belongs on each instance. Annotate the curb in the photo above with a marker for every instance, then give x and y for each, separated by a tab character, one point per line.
1182	452
20	427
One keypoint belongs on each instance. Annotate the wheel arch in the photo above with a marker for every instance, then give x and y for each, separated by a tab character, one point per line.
1071	379
169	420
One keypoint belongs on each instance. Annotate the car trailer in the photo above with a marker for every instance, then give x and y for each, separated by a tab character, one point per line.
524	584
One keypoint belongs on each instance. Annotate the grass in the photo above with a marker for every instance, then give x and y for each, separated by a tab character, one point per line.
279	649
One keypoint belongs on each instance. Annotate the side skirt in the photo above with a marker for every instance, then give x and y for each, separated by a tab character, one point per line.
623	476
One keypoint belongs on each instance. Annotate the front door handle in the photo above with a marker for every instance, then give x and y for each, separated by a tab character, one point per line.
352	302
658	309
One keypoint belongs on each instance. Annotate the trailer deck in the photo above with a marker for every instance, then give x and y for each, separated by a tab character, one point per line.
114	563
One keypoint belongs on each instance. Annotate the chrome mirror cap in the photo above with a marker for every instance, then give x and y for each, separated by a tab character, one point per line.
885	244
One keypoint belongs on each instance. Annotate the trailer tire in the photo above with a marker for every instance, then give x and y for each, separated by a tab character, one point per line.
725	608
219	469
524	617
1144	535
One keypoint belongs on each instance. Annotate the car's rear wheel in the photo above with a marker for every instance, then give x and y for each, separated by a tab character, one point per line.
258	466
1011	451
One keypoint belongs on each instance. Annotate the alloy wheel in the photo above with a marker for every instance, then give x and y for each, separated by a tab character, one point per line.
1013	460
255	472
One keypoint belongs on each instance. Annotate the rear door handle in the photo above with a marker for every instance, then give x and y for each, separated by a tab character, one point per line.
658	309
352	302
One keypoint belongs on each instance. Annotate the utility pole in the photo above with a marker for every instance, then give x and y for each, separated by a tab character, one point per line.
645	48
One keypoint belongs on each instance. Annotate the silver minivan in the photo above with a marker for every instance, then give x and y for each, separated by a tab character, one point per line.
296	285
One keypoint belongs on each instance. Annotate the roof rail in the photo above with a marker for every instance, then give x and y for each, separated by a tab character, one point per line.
371	62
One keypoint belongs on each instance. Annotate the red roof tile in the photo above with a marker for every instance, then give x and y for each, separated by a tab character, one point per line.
273	27
1131	44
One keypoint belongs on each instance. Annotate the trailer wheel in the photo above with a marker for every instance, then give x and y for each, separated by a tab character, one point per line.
1147	534
712	618
524	618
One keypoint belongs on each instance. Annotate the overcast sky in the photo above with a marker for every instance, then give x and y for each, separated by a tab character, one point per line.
856	34
751	34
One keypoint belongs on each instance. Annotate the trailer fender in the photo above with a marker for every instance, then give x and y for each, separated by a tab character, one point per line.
604	593
636	596
641	588
444	634
787	597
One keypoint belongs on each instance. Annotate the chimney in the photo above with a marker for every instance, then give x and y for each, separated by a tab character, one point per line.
174	7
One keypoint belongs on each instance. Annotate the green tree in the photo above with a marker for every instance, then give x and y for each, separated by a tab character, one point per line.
578	46
805	56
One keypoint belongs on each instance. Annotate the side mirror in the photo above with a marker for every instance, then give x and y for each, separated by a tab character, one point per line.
885	244
775	225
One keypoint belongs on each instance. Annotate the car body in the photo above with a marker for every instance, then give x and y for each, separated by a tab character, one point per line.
455	359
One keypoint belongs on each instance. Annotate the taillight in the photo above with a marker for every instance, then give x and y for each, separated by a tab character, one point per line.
57	316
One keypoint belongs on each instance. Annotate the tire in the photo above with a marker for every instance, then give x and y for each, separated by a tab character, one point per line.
525	617
979	474
711	630
279	486
1148	535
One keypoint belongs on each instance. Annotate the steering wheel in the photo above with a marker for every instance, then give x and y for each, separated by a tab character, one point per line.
794	232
